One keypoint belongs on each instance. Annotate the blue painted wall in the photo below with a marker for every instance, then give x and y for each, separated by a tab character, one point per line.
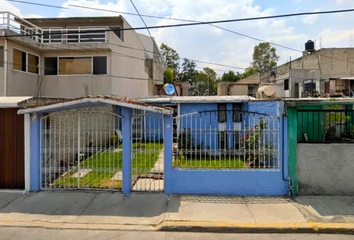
228	182
233	182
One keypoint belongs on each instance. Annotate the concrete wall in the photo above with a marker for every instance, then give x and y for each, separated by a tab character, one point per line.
222	88
325	169
228	182
238	89
135	82
19	83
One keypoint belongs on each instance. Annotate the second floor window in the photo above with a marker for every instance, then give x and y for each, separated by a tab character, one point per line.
25	62
96	65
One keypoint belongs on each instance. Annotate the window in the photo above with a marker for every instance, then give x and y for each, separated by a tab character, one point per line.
236	112
99	65
50	66
33	62
222	112
96	65
251	91
75	65
286	84
308	88
19	60
1	56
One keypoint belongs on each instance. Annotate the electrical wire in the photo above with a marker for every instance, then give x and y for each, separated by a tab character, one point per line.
37	4
212	22
136	9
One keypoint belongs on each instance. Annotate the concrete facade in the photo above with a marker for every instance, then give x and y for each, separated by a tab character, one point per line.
128	74
247	86
325	169
331	66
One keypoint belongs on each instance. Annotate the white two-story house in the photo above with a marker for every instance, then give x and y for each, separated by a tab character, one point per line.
75	57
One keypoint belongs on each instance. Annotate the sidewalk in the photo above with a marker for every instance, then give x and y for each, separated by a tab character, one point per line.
151	212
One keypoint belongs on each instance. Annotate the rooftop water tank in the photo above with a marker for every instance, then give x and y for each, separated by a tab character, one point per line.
309	46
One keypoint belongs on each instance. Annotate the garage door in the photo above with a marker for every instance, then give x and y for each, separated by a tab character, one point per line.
11	149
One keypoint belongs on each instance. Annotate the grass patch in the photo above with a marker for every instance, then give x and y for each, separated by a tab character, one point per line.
104	165
211	163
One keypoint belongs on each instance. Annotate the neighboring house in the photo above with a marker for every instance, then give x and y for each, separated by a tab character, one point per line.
75	57
154	64
247	86
325	71
321	137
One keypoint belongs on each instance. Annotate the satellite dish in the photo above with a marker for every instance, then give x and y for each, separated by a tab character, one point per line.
169	89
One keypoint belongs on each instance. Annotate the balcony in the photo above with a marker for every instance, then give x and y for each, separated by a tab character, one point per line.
61	38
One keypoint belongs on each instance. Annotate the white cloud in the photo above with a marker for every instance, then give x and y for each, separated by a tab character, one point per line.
310	19
8	7
210	44
336	38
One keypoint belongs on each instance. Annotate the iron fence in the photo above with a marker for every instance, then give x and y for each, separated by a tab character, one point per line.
329	125
227	139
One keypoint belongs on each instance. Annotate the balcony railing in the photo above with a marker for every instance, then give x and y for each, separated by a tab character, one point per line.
52	35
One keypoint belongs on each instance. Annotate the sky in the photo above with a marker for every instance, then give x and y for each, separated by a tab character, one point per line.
210	44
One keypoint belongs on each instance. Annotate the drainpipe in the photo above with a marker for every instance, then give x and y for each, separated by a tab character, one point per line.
5	67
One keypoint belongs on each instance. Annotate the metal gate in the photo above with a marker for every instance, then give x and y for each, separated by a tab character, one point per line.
81	150
227	139
148	152
12	164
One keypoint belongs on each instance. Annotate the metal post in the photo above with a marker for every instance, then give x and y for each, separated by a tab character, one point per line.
78	150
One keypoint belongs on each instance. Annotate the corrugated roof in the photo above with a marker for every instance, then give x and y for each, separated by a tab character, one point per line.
11	102
94	99
210	99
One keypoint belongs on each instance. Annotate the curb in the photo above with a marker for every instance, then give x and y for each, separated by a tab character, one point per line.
227	227
77	226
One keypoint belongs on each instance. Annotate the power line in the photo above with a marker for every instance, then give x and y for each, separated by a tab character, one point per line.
193	21
136	9
37	4
208	22
188	20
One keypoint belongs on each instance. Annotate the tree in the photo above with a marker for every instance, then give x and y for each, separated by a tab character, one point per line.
170	57
248	72
205	83
168	76
231	76
265	59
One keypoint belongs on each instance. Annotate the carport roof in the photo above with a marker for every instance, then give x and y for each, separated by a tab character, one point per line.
92	101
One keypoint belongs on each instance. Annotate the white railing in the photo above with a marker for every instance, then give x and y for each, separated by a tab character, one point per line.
74	35
52	35
21	26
